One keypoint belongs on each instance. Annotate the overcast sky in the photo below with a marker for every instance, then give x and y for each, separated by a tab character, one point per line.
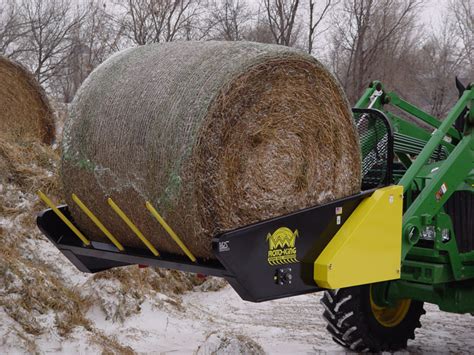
433	11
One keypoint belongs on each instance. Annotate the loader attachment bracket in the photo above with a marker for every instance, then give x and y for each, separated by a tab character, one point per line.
275	258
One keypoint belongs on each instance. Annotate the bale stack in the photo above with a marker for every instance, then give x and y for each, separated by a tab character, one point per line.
25	111
216	135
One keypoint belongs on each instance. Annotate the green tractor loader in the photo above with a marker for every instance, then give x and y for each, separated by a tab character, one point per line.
405	239
436	172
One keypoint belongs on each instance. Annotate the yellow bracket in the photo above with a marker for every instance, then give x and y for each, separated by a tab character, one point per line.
367	248
134	228
97	222
51	205
170	231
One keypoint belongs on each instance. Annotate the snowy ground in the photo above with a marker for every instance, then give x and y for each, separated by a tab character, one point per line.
146	311
199	321
287	326
206	321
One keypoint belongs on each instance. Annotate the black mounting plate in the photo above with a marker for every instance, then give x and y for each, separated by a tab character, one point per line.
245	252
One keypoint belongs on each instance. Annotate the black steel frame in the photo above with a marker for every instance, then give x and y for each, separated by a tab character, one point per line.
390	141
243	263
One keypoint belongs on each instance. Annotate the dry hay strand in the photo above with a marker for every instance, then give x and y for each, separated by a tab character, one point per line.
168	282
26	167
26	112
30	166
216	135
31	290
120	292
110	344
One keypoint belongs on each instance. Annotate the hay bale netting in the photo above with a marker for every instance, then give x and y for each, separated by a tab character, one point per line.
25	111
216	135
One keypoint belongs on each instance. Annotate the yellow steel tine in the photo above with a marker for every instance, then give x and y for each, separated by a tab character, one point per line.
170	231
97	222
51	205
132	227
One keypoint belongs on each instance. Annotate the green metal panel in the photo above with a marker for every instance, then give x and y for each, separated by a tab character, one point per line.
432	270
365	98
427	273
437	191
456	297
420	114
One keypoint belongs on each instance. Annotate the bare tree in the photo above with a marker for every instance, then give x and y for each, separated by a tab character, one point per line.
437	70
258	29
93	40
228	18
446	53
315	20
368	34
151	21
137	21
11	28
260	32
461	13
281	15
47	42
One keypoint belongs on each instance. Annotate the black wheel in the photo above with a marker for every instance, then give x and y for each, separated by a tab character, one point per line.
358	324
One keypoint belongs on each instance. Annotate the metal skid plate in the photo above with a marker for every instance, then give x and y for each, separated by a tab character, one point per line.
275	258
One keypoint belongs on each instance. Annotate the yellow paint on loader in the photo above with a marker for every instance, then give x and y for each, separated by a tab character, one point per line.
368	246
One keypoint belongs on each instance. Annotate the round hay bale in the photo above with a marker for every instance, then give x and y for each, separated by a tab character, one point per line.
216	135
25	113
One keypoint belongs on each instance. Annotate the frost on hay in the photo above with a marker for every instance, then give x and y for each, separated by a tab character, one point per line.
25	110
216	135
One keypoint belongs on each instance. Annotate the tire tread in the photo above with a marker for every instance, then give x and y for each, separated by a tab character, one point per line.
348	325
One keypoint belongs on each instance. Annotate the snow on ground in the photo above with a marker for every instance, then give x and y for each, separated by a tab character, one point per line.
214	322
48	306
202	321
288	326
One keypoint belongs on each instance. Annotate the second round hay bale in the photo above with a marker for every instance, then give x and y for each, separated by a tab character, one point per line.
25	111
216	135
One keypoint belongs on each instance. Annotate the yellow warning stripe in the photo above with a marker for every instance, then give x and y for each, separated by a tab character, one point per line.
134	228
97	222
170	231
76	231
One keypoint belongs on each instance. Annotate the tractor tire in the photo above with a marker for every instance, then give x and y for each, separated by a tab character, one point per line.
356	323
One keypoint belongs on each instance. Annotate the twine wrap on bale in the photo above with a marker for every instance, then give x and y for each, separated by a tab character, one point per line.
216	135
25	111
